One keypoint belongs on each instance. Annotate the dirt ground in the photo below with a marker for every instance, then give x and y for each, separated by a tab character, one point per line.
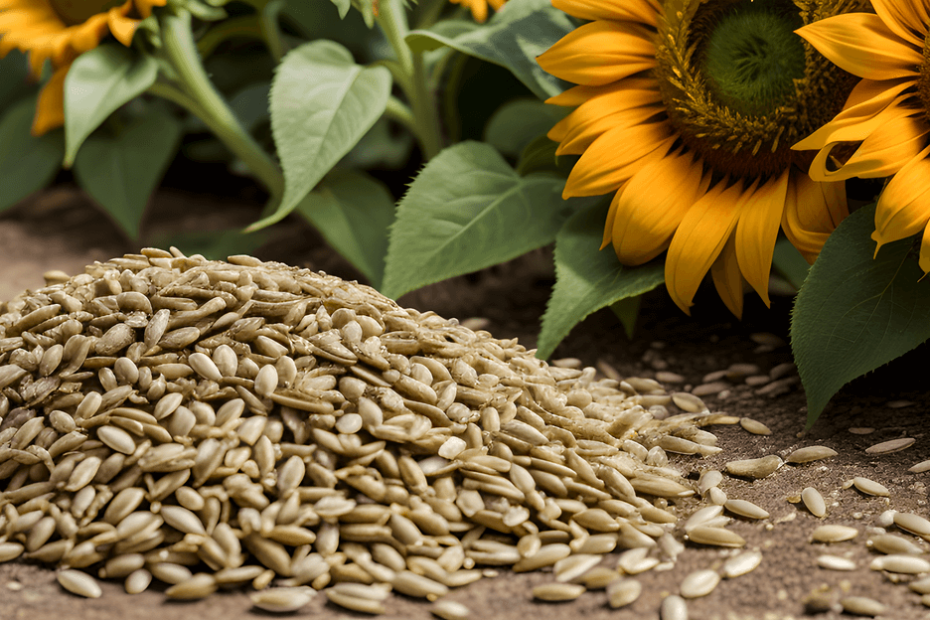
60	230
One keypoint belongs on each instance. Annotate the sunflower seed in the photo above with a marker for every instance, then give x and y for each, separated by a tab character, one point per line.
912	523
623	592
894	445
450	610
810	453
79	582
755	468
558	592
833	533
138	581
741	564
673	608
862	606
813	500
699	583
754	427
921	586
833	562
354	603
891	544
900	563
746	509
199	586
716	536
870	487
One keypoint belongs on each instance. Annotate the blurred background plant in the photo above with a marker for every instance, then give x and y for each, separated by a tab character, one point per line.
413	137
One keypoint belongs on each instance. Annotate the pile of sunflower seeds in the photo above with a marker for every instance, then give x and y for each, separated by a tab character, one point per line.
212	424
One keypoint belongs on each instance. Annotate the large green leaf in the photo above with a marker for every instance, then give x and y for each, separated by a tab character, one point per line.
14	78
517	123
27	163
512	38
587	279
855	313
121	168
322	103
99	82
468	210
353	212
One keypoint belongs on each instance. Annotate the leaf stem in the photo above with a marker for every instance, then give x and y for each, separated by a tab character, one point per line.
271	31
393	22
182	53
399	111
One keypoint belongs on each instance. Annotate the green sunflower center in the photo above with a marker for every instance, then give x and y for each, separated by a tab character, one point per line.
741	87
753	58
74	12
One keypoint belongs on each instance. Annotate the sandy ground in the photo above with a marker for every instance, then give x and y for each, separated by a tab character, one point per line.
61	230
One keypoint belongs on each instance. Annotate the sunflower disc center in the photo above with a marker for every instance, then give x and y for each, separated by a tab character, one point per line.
753	57
74	12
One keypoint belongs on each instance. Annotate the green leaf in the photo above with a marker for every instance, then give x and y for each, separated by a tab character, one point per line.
322	103
380	148
855	313
353	211
588	279
343	6
512	38
99	82
14	78
121	168
627	311
27	163
517	123
466	210
789	264
539	156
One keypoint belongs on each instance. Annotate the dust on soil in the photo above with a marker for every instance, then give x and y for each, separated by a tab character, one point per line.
60	229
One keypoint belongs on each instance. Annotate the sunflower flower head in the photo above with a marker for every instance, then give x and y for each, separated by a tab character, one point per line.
59	31
479	8
883	128
687	110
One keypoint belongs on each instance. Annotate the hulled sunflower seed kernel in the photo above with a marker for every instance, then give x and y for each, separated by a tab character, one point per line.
833	533
814	502
79	582
810	453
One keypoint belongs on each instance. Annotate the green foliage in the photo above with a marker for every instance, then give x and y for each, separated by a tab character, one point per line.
467	210
353	211
627	311
789	264
343	6
322	103
121	167
99	82
517	123
512	38
27	163
14	79
587	279
855	313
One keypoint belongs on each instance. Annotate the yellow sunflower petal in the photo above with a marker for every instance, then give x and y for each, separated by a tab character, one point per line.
904	206
882	153
812	211
648	209
615	156
857	121
700	238
622	50
642	11
50	108
610	101
122	27
727	278
81	38
580	135
757	231
863	45
906	18
924	258
145	6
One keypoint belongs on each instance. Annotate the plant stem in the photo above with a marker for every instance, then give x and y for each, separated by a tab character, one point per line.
182	53
399	111
272	33
393	22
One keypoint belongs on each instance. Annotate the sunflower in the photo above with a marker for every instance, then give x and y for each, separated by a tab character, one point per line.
687	109
60	31
479	8
883	128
